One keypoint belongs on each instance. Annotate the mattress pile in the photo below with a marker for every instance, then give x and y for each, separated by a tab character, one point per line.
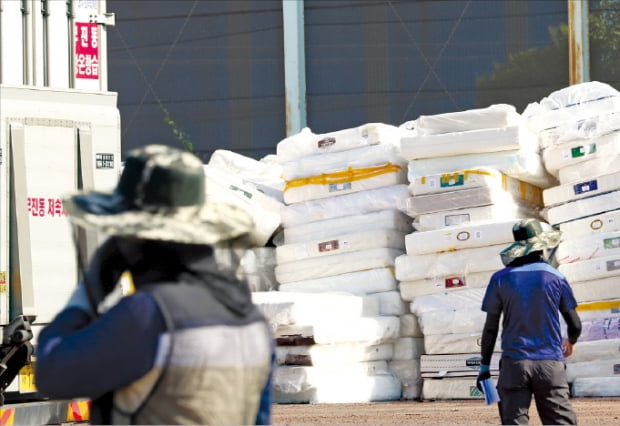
331	348
342	229
451	322
495	137
579	132
255	186
463	218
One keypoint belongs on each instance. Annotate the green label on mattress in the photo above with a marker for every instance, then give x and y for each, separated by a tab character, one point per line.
611	243
580	151
473	391
452	180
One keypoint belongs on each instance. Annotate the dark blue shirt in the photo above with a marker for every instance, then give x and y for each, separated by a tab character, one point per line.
530	297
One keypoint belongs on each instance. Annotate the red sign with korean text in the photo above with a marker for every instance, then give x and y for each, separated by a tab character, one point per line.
86	50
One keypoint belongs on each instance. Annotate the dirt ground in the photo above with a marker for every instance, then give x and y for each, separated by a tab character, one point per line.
590	411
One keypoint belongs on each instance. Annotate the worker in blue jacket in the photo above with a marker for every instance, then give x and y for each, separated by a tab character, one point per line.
530	294
188	346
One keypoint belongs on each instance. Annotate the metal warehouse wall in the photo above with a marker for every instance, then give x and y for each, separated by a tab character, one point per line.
213	71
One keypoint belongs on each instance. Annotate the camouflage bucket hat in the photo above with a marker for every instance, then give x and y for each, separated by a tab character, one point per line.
529	236
160	196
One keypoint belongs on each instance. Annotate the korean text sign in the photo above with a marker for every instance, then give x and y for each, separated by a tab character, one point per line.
86	50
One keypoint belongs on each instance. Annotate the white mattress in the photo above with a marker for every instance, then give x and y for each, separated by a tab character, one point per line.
390	303
446	301
588	247
332	386
361	330
603	222
373	200
339	163
460	237
435	344
473	215
390	219
265	174
592	269
578	190
603	367
584	387
596	289
348	182
265	210
342	353
525	165
408	372
586	128
280	308
579	150
497	115
360	283
337	264
307	143
455	321
519	192
456	263
589	169
340	244
477	141
412	289
594	350
455	365
572	103
451	388
460	179
408	348
583	208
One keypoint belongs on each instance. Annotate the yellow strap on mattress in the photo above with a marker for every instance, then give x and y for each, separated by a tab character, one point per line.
599	305
349	175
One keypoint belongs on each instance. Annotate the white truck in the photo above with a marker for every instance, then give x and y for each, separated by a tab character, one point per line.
59	132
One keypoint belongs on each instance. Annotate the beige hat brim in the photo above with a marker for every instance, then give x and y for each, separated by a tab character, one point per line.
203	224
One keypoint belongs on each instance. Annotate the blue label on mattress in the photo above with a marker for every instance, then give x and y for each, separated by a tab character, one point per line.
583	187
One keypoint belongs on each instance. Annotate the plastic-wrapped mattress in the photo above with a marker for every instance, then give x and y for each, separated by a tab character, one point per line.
319	267
307	143
479	141
360	282
460	237
385	198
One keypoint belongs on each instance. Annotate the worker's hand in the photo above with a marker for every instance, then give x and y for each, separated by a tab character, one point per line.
104	271
482	375
567	348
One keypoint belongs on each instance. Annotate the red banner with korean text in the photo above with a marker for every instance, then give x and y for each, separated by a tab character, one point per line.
86	50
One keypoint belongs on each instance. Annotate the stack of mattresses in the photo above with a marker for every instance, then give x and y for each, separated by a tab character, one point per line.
452	325
342	227
593	369
494	137
255	186
463	218
579	132
331	348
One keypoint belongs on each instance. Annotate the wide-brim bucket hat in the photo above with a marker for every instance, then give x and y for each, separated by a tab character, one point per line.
530	235
160	196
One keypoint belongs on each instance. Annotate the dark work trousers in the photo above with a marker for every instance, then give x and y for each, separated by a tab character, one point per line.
519	379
